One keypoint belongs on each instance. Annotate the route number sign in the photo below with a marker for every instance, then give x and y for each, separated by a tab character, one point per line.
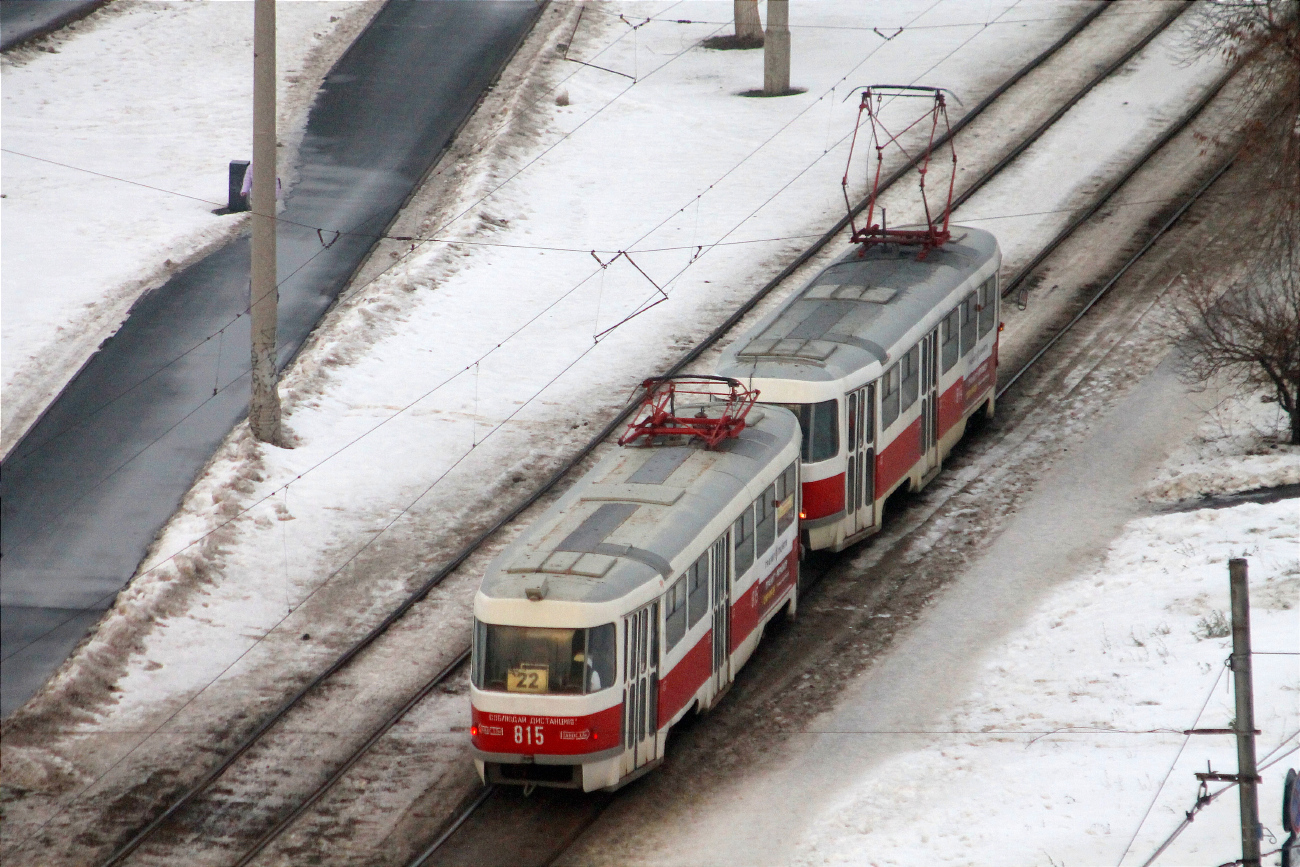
527	678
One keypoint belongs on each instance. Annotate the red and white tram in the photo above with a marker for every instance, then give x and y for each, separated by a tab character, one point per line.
883	356
639	594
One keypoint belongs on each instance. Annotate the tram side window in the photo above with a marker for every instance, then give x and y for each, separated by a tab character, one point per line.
675	612
601	644
988	304
911	371
889	398
742	535
765	531
697	589
825	431
820	425
948	345
785	493
968	315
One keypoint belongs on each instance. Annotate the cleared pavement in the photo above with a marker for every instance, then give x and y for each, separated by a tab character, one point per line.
84	493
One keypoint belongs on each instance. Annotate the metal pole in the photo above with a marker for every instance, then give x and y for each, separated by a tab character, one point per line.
264	405
776	49
1245	723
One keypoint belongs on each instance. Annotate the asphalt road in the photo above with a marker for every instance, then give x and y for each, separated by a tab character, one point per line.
21	20
85	492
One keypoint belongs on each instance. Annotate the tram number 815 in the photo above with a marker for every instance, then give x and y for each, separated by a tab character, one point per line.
529	734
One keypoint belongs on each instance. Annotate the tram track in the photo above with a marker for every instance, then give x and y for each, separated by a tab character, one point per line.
825	565
458	824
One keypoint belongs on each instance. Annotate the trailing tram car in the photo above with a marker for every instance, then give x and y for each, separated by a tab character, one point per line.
639	594
883	356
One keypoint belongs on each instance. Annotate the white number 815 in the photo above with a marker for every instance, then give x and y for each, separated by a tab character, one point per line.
531	734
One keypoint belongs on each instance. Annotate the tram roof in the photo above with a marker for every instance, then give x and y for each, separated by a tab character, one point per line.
856	310
635	516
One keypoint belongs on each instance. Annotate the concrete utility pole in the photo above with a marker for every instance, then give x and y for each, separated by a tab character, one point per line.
1245	724
264	406
776	49
749	28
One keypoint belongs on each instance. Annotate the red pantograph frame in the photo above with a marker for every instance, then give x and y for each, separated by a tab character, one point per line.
658	414
936	232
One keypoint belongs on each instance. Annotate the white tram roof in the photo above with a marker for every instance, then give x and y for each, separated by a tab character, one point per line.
857	310
639	514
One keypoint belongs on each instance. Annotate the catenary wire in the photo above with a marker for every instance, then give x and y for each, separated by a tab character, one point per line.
1186	738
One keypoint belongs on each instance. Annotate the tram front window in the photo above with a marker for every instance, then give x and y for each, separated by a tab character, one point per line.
820	425
543	661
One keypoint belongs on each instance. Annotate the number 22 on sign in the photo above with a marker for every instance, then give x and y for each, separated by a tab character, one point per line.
527	678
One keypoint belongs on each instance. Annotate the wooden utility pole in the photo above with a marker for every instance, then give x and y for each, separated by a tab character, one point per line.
264	405
1247	774
776	49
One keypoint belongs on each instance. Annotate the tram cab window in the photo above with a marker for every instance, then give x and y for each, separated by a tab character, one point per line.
910	367
988	304
765	529
820	425
675	613
742	537
542	660
889	394
697	589
948	342
785	491
968	317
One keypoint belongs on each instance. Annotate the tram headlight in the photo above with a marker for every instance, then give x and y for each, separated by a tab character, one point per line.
473	731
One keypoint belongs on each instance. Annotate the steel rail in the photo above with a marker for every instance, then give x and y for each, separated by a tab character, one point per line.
1079	219
1097	79
1168	224
418	860
1072	227
319	792
1100	201
560	473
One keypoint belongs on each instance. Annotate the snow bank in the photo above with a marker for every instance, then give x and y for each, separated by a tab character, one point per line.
392	399
1066	738
157	94
1241	446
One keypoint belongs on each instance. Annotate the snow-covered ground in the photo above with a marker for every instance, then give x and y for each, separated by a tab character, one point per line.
439	387
1065	738
1241	446
117	133
436	386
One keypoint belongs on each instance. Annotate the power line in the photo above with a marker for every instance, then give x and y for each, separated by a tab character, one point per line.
640	309
1186	738
1204	798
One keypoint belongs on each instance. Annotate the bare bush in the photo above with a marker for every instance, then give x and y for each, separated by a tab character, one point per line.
1251	334
1251	331
1263	38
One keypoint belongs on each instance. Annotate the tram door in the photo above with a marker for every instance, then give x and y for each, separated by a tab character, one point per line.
930	399
721	615
859	498
640	686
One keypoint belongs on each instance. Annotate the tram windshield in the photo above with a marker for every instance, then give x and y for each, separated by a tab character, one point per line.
820	425
543	661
